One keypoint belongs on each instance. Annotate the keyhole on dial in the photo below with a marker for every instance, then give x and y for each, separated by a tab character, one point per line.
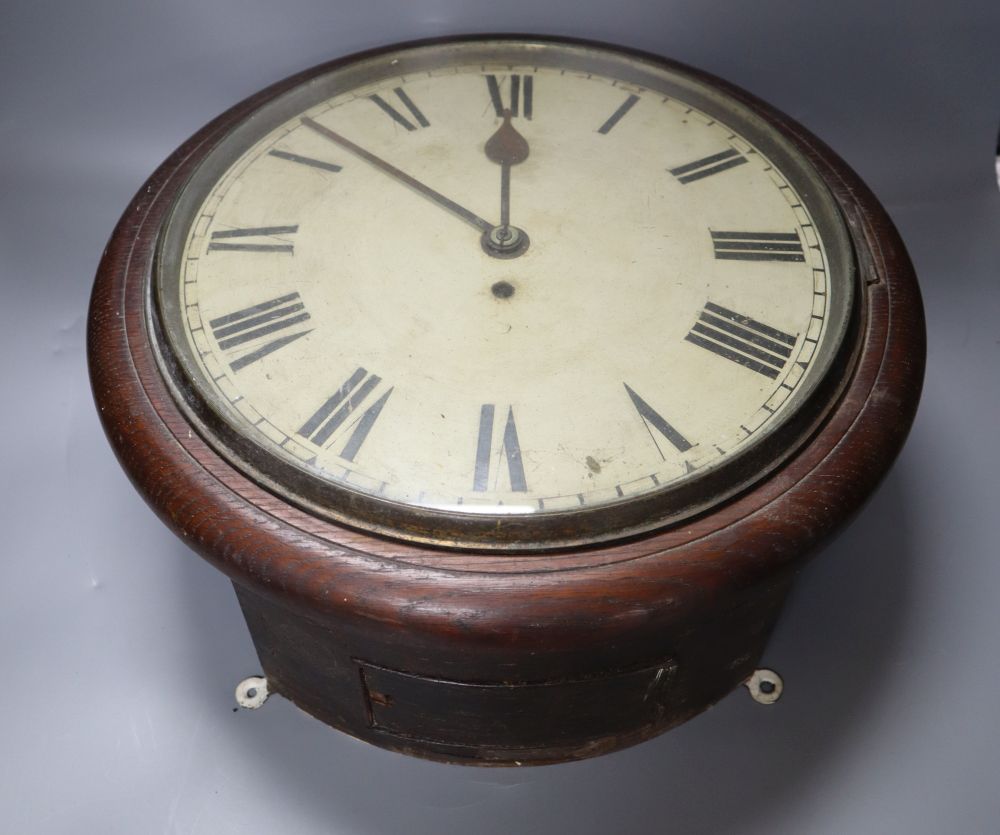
502	289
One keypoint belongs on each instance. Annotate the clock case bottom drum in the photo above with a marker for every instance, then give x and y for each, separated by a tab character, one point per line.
492	659
483	706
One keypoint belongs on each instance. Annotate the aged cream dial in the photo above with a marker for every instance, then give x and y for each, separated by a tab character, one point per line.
488	281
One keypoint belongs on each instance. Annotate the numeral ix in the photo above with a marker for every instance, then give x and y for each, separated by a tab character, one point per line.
236	331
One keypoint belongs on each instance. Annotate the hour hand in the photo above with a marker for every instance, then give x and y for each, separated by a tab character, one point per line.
506	147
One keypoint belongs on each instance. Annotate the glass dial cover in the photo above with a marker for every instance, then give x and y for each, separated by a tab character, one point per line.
504	293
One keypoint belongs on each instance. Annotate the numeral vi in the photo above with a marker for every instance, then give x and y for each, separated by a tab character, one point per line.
510	449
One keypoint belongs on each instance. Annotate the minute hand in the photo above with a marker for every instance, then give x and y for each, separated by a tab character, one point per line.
435	196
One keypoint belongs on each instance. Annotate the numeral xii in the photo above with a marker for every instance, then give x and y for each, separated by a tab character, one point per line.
521	89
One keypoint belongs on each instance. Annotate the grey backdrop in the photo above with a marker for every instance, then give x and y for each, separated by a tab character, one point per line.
120	648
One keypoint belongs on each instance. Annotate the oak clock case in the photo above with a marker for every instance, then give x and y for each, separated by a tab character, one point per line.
509	380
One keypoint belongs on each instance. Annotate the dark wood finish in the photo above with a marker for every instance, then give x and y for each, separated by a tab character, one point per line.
373	635
482	702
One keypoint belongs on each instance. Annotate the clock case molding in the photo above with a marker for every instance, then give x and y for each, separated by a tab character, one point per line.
487	658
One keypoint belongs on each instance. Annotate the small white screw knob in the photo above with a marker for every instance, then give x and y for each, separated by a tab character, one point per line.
765	686
252	692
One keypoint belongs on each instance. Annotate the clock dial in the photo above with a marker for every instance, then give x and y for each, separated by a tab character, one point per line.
492	281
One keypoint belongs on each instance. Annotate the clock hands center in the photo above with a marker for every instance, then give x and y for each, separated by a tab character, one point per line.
493	242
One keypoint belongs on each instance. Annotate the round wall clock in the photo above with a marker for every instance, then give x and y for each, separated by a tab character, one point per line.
510	380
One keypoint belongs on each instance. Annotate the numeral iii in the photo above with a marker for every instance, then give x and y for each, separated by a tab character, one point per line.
757	246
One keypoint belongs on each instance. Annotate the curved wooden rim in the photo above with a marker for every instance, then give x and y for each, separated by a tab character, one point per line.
328	570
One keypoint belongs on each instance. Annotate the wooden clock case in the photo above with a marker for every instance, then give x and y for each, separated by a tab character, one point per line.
495	658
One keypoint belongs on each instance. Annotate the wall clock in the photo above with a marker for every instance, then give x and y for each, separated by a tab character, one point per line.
510	380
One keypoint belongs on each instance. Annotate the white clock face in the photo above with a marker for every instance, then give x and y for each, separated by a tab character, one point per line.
505	287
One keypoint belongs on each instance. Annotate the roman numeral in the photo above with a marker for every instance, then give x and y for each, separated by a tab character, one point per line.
743	340
708	166
757	246
652	418
238	330
616	117
522	92
339	407
301	160
224	239
510	448
398	117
